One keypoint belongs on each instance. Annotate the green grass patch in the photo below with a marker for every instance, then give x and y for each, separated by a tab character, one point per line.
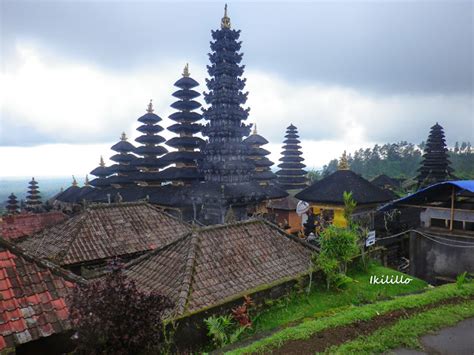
406	332
320	300
308	328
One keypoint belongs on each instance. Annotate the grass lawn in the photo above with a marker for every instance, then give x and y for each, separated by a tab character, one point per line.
407	331
321	301
308	328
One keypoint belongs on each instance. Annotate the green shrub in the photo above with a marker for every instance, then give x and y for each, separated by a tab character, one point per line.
339	244
461	279
223	330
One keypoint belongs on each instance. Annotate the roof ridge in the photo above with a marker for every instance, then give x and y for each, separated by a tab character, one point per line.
159	209
81	219
100	205
58	270
225	225
155	251
185	292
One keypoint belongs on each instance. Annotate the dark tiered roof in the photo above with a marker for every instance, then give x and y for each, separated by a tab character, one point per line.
125	170
150	151
33	197
106	231
291	175
436	166
257	156
384	181
225	114
185	160
203	268
101	172
330	190
12	204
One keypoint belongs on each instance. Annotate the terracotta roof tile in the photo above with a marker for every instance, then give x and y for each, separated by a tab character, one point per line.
106	231
212	264
23	225
30	305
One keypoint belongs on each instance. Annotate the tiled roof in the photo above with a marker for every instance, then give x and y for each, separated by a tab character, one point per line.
23	225
331	189
106	231
32	297
209	265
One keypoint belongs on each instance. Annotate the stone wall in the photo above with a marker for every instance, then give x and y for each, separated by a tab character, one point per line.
190	333
437	263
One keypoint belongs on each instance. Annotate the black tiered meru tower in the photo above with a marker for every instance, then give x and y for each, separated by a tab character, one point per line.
225	165
124	169
436	166
257	155
101	172
12	204
33	197
292	176
186	158
149	163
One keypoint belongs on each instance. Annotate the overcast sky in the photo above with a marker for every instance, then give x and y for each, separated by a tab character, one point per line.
348	74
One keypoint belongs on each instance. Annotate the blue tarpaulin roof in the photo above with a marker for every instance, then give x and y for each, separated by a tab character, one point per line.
438	192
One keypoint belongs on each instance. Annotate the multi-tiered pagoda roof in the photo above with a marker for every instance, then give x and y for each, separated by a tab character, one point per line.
124	169
225	164
291	175
33	197
12	204
102	172
436	166
258	157
225	153
150	149
185	158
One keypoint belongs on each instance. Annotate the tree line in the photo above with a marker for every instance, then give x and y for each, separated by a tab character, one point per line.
399	160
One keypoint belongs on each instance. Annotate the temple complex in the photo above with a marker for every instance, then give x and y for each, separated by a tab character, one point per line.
224	176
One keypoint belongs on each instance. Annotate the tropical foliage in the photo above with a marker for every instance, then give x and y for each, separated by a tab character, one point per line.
400	160
111	316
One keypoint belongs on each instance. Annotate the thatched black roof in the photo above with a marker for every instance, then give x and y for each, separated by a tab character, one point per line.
331	189
384	180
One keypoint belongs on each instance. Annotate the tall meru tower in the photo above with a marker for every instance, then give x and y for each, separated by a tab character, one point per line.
226	168
436	166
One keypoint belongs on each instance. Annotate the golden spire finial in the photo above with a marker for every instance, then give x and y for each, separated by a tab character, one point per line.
225	22
186	71
123	137
343	162
254	128
86	182
74	182
150	107
101	163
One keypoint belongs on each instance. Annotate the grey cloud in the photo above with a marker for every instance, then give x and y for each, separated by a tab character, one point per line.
383	47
